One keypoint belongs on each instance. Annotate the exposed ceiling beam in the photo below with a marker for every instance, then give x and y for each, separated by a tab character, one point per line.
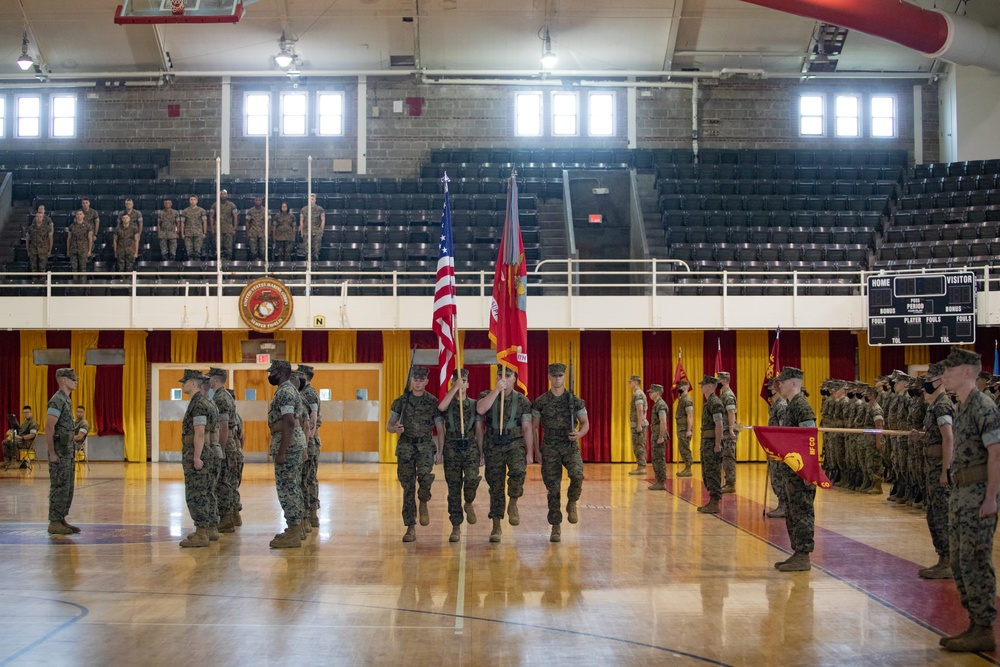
675	24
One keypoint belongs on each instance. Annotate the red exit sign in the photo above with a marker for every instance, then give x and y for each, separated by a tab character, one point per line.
595	218
263	358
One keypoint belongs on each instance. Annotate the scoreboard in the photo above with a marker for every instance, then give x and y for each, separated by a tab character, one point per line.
922	309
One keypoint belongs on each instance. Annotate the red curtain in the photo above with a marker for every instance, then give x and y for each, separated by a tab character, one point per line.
315	347
158	347
10	375
790	350
369	347
595	389
56	340
843	355
657	368
893	358
538	363
728	340
257	335
108	387
986	340
479	374
209	350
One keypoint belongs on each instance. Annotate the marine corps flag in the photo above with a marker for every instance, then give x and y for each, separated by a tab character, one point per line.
773	368
509	309
797	448
679	374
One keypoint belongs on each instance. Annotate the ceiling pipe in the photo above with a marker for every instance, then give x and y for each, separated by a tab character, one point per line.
935	33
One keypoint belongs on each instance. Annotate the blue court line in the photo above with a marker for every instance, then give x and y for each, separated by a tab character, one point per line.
52	633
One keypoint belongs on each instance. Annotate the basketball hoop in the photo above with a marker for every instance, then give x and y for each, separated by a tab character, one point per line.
132	12
176	7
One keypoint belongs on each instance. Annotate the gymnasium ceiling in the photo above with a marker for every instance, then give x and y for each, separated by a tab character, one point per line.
79	36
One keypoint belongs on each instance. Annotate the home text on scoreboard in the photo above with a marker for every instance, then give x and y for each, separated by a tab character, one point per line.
924	309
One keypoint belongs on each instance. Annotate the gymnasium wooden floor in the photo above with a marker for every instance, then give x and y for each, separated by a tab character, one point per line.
641	580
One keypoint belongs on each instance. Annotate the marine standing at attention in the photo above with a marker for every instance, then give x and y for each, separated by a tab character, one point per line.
638	424
712	416
461	452
287	444
660	432
62	464
195	451
684	418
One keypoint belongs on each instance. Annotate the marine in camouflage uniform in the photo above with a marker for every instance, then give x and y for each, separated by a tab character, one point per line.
216	462
133	213
563	418
505	447
638	424
79	245
659	436
316	224
126	244
227	223
857	412
833	456
196	453
412	416
62	465
729	434
283	232
167	222
226	487
896	419
39	241
713	414
684	419
776	417
914	453
256	226
91	217
972	506
193	228
872	444
286	448
800	495
310	469
461	452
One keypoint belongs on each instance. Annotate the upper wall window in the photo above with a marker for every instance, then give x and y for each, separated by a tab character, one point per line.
29	113
3	115
847	115
883	111
256	114
63	115
330	111
528	114
565	114
601	114
811	115
293	114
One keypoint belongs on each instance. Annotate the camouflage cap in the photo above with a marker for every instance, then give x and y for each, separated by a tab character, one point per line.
658	388
418	372
280	365
218	372
464	371
635	378
557	369
961	357
683	383
191	374
709	379
307	370
66	373
899	376
790	373
934	370
503	370
723	376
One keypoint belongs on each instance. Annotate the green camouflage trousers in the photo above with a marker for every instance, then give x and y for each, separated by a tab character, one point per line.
684	447
61	484
659	456
255	243
800	515
639	446
229	487
310	482
288	476
971	545
556	455
937	506
729	460
873	458
711	469
505	466
461	472
414	464
198	493
777	480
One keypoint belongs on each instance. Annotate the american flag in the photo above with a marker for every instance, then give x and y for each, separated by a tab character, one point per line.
444	299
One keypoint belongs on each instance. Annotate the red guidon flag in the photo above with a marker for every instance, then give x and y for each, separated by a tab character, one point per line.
797	448
679	374
773	367
509	309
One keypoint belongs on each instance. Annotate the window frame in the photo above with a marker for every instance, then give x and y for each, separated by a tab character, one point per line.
537	94
554	117
53	117
18	117
858	117
319	113
614	112
246	112
799	116
3	116
282	115
894	118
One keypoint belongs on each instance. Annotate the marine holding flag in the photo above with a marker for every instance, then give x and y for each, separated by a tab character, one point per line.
509	309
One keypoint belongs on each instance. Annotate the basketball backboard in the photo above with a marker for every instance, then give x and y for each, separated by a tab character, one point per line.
179	11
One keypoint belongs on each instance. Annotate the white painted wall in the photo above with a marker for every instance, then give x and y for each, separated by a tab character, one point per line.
970	115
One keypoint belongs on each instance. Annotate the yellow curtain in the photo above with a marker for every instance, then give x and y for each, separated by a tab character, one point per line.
293	344
752	354
81	341
134	396
183	347
232	346
626	360
815	353
395	366
559	342
343	347
869	360
917	355
690	345
34	379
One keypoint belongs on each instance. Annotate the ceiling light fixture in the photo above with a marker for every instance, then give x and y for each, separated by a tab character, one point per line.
549	58
24	61
286	56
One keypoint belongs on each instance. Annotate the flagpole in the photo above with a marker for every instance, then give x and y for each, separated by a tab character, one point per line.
856	431
767	487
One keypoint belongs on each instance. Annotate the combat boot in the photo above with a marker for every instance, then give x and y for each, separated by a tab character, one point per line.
314	517
686	472
729	488
73	529
237	519
306	528
410	535
866	484
657	486
944	640
198	539
906	496
893	492
303	533
712	507
425	518
875	488
57	528
571	514
940	570
226	524
290	539
978	639
456	533
778	512
512	514
497	531
470	513
556	535
639	470
797	563
213	533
